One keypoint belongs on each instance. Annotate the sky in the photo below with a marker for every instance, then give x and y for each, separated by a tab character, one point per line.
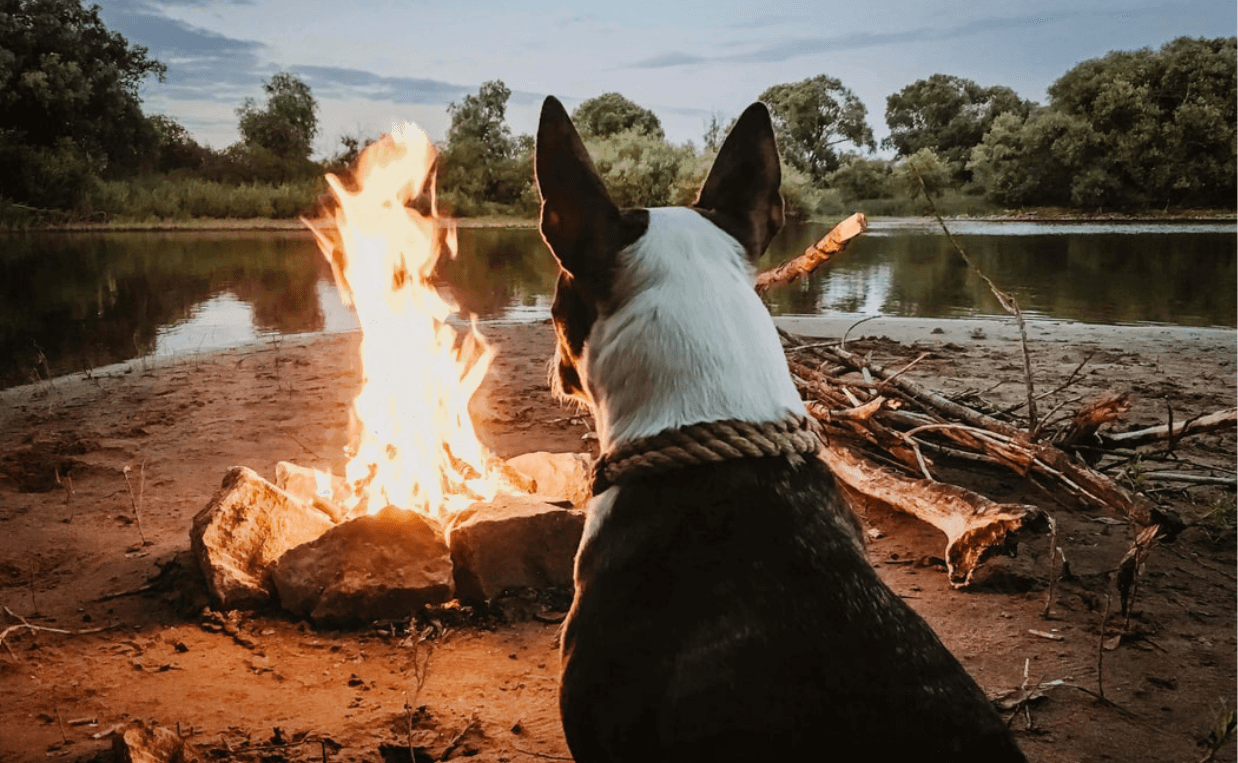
385	62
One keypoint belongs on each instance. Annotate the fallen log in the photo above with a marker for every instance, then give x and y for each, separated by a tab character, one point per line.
976	528
814	256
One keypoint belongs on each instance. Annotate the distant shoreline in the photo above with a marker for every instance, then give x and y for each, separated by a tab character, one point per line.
267	224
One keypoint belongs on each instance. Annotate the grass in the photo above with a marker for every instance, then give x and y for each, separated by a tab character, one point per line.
147	200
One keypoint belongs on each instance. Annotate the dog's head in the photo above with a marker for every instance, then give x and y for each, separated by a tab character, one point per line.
641	291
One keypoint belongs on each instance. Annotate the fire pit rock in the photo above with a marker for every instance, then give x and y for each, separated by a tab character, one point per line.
562	475
240	534
376	567
513	542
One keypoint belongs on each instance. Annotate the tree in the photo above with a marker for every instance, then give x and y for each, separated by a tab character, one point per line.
286	125
482	163
610	114
1165	121
861	179
639	169
1035	161
811	118
69	104
948	115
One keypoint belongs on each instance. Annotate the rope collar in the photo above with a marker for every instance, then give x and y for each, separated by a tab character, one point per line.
708	442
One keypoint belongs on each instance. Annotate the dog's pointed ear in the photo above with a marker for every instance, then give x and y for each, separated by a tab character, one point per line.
741	192
578	215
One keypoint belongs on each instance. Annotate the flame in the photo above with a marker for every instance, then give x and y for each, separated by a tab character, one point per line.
414	445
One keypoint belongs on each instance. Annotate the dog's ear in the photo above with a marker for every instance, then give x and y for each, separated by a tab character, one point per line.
579	219
741	193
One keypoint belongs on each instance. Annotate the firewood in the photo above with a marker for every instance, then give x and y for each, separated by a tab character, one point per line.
1213	422
975	527
816	255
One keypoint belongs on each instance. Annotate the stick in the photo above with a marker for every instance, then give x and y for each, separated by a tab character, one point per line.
1008	303
136	502
1210	423
814	256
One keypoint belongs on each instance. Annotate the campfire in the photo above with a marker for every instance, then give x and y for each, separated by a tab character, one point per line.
423	511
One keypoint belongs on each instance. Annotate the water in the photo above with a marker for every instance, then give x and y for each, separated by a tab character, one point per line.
70	302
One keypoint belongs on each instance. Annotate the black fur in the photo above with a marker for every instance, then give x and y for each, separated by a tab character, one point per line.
727	613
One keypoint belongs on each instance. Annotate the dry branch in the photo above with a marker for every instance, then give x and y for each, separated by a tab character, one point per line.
1211	423
976	527
814	256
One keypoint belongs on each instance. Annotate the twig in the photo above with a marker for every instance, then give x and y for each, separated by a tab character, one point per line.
814	256
25	624
543	755
136	502
1053	569
1008	303
843	342
1100	648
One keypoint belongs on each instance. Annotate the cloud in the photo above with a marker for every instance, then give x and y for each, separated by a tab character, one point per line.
202	65
340	82
794	47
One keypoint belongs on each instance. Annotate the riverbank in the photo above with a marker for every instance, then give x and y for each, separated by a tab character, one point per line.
81	549
505	221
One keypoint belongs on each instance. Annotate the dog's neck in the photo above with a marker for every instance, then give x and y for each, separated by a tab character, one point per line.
685	339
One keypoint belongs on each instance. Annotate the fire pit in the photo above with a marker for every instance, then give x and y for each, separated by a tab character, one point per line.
422	511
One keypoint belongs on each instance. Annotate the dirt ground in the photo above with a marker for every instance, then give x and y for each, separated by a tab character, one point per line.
162	434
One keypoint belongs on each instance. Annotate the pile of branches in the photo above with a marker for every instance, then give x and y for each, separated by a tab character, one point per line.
884	432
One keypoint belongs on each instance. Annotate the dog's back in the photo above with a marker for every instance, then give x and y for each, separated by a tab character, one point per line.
724	609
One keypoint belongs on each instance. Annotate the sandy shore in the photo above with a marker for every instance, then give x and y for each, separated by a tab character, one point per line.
72	540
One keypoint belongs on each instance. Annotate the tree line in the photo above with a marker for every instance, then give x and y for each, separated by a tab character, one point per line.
1131	131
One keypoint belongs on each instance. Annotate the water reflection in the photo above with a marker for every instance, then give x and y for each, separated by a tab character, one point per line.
86	300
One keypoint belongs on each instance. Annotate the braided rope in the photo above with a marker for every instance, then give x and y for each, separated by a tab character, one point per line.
708	442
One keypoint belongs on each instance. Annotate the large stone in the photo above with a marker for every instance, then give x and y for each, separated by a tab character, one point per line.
376	567
513	542
240	534
558	475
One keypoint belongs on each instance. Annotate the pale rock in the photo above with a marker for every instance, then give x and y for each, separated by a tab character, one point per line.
376	567
138	743
243	531
513	542
558	475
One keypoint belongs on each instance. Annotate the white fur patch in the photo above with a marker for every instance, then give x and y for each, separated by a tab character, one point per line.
597	511
686	338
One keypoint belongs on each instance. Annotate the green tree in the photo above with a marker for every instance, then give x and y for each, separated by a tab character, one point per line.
811	118
610	114
948	115
286	124
859	178
638	169
482	165
1035	161
69	104
1164	120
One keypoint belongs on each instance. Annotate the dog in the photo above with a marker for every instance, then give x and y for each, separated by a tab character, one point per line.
724	609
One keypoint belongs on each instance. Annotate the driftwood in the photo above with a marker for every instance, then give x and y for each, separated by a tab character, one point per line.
975	527
1221	420
884	432
814	256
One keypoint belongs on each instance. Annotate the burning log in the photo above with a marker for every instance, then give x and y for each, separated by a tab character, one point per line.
816	255
975	527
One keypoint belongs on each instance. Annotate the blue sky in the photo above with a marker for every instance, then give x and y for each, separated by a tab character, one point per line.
383	61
